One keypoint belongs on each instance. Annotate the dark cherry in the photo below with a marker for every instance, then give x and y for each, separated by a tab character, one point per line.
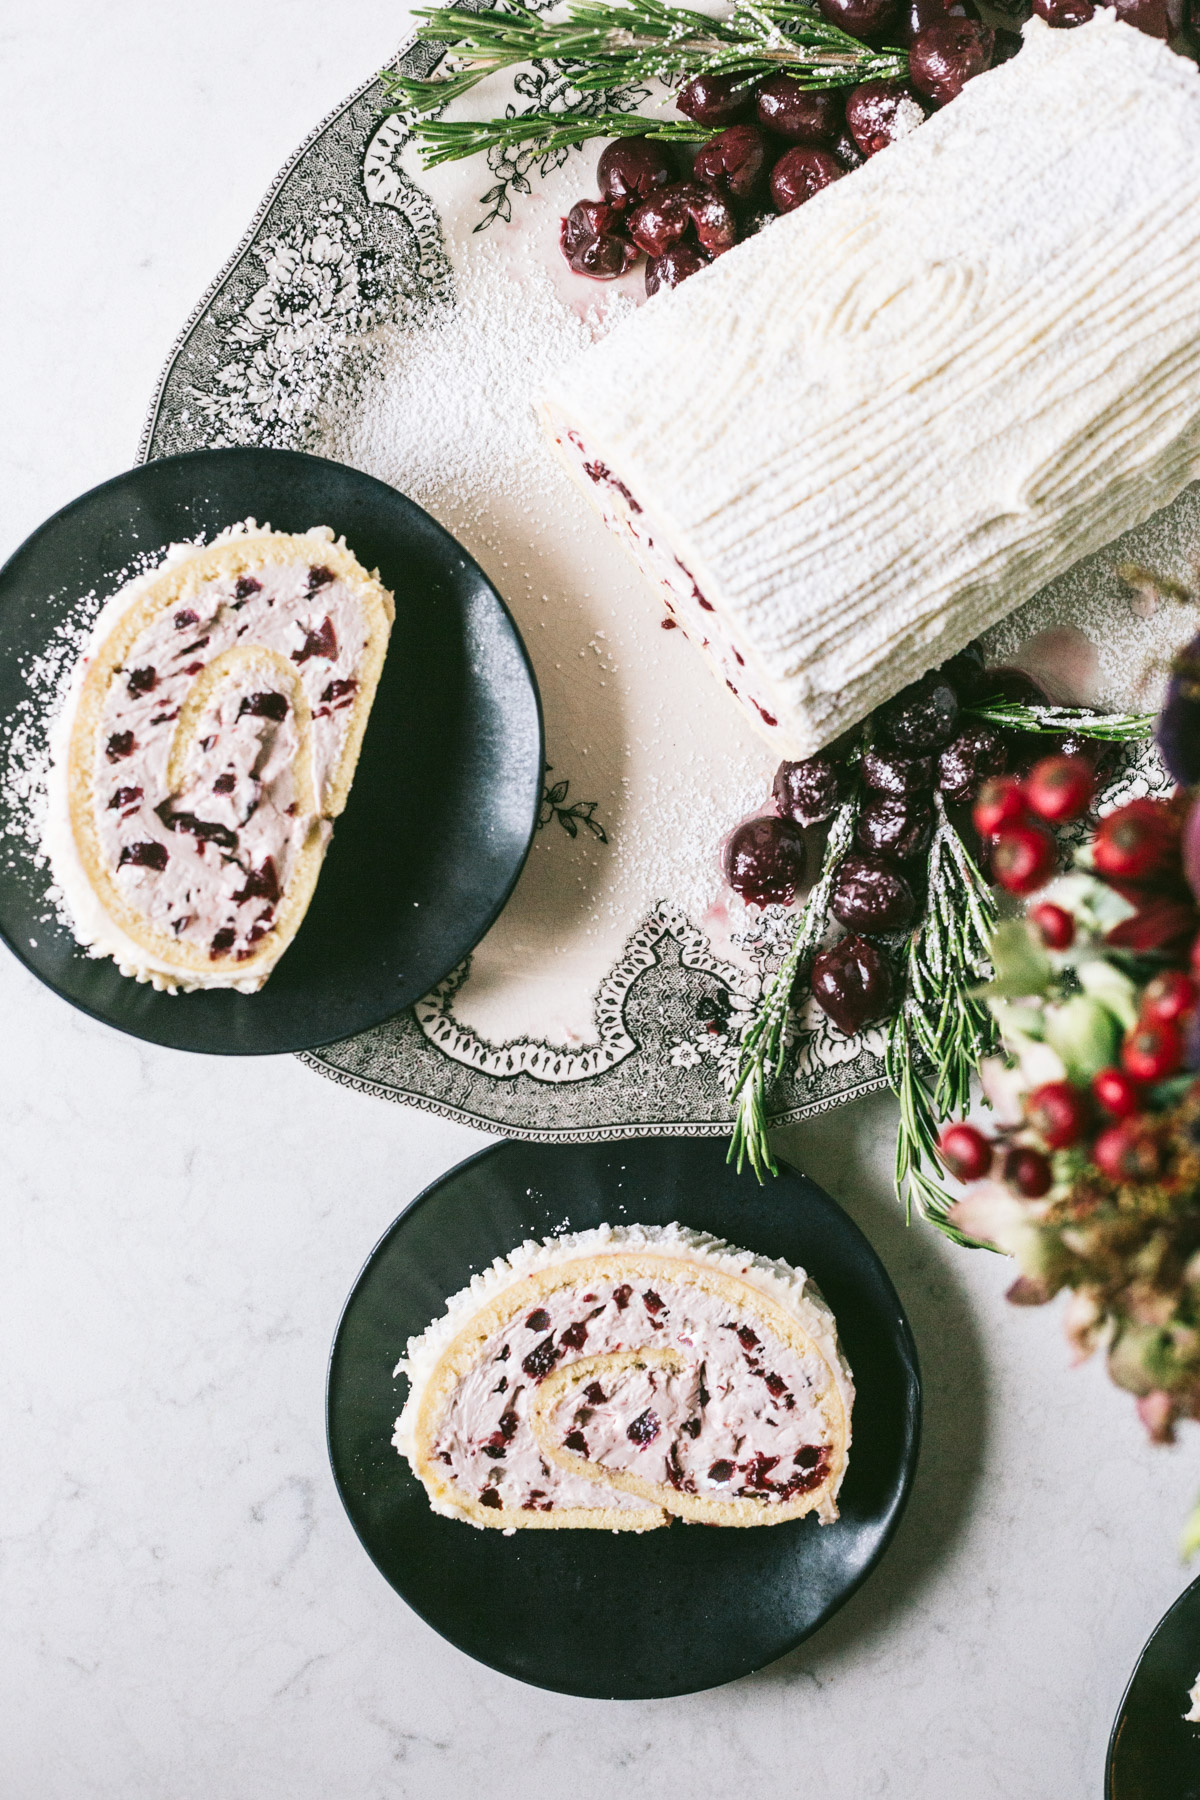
538	1320
142	681
765	861
852	983
893	826
720	1470
674	266
945	57
799	174
890	773
541	1359
1064	13
807	792
185	618
879	113
1007	44
632	168
798	114
847	152
659	222
921	717
715	224
965	673
1151	16
716	99
265	706
243	587
644	1429
144	856
321	642
733	162
870	894
916	15
973	754
861	18
261	884
119	745
621	1296
592	242
318	577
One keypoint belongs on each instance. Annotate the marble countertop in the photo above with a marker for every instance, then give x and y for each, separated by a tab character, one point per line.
186	1610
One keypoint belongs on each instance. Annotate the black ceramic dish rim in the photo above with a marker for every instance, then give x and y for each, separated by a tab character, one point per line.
467	561
1188	1593
908	1475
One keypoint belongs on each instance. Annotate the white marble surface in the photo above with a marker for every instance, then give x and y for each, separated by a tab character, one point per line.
186	1610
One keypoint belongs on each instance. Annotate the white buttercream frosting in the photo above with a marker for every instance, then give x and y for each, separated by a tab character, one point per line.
865	434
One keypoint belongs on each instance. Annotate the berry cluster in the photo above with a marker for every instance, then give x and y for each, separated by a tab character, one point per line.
920	750
776	144
1013	816
1091	1178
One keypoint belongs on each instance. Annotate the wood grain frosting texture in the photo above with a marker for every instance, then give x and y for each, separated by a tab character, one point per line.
208	740
862	436
617	1378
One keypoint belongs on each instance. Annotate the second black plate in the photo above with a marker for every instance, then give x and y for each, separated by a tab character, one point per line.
615	1615
1154	1753
448	787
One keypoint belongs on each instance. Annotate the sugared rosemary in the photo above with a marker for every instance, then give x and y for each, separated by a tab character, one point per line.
940	1030
764	1043
1065	721
602	46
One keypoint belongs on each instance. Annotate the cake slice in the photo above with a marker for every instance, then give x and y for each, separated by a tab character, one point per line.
209	738
865	434
615	1378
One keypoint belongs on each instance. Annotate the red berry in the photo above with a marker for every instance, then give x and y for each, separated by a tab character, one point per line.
1117	1093
1138	842
1152	1051
1000	803
1028	1171
1024	858
965	1151
1058	1113
1126	1152
1168	997
1054	925
1059	788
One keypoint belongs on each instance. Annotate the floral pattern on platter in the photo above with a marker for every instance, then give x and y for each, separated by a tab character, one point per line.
346	243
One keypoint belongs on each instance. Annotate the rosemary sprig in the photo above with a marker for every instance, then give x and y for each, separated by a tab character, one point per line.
764	1044
448	140
941	1029
602	45
1078	721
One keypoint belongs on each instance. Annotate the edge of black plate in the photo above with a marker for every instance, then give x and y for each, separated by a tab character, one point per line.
915	1422
1188	1595
185	456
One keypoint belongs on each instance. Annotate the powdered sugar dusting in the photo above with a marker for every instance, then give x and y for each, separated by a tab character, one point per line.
451	420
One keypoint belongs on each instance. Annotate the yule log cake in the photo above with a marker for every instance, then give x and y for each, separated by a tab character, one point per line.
616	1378
209	738
865	434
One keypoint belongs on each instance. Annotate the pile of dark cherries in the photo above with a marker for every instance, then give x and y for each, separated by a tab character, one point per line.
778	144
919	743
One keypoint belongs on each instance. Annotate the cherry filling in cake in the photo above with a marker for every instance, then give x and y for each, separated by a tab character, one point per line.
719	1408
688	607
216	740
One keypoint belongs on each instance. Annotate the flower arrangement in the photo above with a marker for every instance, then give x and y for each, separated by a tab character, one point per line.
1089	1176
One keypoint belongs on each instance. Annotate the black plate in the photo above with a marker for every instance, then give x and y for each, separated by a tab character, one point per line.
1154	1754
446	797
617	1615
